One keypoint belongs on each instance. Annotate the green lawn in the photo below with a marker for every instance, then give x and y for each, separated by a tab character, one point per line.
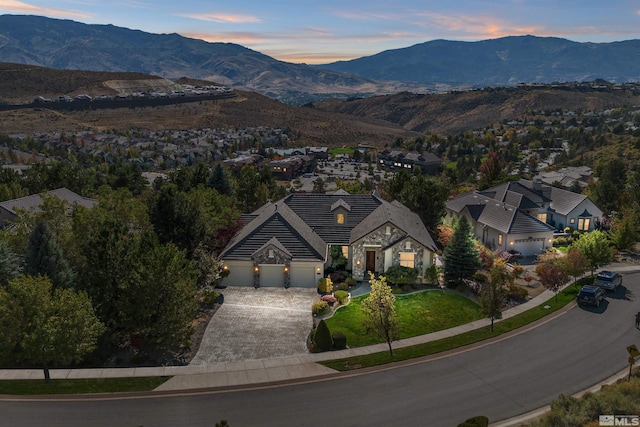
419	313
357	362
343	150
81	386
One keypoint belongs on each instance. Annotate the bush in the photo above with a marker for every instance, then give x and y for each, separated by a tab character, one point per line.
432	275
339	340
338	276
325	285
330	299
517	293
342	286
320	307
479	277
399	275
350	281
341	296
211	297
479	421
322	337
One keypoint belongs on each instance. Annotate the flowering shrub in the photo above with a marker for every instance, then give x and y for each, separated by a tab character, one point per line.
330	299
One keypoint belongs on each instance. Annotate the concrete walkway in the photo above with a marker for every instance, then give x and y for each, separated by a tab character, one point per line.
275	369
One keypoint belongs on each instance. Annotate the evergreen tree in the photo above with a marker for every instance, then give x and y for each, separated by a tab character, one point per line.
10	264
221	181
461	258
322	337
44	257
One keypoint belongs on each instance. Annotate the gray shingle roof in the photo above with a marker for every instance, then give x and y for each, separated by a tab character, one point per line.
35	200
305	224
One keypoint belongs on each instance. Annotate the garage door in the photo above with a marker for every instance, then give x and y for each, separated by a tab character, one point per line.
530	247
303	277
271	275
240	274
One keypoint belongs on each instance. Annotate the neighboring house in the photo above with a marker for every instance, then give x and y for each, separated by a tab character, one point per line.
287	243
9	209
567	177
397	159
291	167
523	215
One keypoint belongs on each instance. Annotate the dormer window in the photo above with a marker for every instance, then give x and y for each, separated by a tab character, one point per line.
340	218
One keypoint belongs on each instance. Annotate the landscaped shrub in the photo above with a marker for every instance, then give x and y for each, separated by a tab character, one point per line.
341	296
339	340
479	277
330	299
338	276
400	275
320	307
322	337
325	286
517	293
350	281
479	421
342	286
432	275
210	297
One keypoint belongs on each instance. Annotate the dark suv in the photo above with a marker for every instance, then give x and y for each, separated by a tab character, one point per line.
609	280
591	295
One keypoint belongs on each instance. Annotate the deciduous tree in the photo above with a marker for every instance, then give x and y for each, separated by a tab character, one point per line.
493	292
379	308
596	248
57	326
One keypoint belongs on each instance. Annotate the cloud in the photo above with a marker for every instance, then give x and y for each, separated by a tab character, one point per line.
225	18
13	6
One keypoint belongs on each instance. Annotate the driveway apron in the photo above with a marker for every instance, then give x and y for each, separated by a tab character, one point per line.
254	324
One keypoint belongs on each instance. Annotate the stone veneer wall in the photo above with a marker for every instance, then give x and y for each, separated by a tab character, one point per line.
379	238
279	257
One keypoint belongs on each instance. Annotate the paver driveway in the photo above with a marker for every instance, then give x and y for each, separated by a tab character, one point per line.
258	323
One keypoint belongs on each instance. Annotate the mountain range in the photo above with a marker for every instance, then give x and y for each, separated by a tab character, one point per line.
432	66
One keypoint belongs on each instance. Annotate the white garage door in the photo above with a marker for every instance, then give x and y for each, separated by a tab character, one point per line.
271	275
530	247
303	277
240	274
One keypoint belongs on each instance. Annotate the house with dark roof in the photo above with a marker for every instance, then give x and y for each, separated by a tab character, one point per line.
287	243
523	215
9	209
428	163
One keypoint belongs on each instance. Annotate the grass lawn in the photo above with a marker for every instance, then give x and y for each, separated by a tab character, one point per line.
80	386
343	150
565	297
419	313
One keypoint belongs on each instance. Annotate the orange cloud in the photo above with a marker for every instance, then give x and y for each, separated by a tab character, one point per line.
21	7
226	18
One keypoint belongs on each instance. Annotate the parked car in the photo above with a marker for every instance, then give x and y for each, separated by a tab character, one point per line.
609	280
591	295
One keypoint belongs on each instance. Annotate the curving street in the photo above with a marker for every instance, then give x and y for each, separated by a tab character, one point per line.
567	354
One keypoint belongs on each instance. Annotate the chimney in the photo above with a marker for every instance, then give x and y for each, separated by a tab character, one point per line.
537	184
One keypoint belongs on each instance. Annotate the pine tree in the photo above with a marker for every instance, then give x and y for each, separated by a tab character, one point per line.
461	258
44	257
220	181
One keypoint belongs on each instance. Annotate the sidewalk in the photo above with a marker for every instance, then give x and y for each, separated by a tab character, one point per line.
255	372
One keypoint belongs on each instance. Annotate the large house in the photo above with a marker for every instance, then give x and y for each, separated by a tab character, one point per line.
523	215
9	208
398	159
287	243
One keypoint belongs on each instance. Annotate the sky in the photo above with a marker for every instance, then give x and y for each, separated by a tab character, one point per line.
319	32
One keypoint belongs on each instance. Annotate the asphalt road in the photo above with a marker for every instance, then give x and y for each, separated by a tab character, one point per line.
565	355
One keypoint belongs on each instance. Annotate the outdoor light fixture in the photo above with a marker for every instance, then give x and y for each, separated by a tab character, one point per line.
286	269
318	270
358	262
225	267
255	269
511	243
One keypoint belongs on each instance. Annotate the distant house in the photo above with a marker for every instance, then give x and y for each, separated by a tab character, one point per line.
9	209
397	159
523	215
287	243
237	163
291	167
567	177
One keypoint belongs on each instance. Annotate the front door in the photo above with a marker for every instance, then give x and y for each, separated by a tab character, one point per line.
370	264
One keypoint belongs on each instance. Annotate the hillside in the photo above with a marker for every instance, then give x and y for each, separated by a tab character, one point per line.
66	44
453	112
504	61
